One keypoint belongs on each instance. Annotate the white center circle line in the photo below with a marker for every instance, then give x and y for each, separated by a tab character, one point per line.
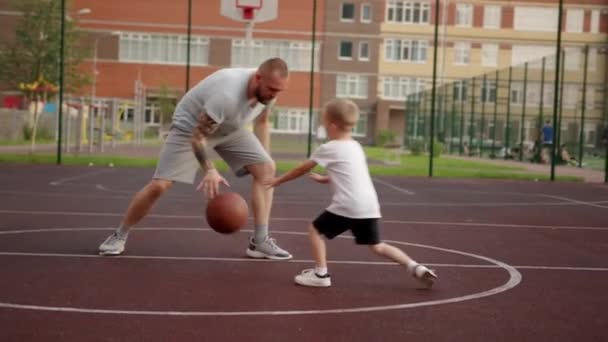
514	279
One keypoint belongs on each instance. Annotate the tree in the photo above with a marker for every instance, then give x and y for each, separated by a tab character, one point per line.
166	105
31	56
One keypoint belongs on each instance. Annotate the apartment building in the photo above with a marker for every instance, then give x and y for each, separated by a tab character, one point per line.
375	52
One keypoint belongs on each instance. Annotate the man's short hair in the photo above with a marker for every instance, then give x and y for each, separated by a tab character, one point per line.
274	65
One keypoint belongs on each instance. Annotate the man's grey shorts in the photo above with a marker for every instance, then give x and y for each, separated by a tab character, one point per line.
238	149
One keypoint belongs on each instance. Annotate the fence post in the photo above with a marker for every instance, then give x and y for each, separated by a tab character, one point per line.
484	98
461	97
492	153
508	123
523	114
581	139
472	122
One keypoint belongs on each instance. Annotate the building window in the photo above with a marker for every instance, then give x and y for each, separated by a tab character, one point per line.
574	20
360	129
347	12
460	91
405	50
295	53
492	15
571	92
464	15
351	86
595	21
162	49
573	58
291	120
488	92
489	55
346	50
541	19
462	53
408	12
364	51
517	93
400	88
366	13
534	55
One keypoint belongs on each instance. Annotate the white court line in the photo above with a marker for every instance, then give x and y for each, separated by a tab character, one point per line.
278	200
299	261
93	173
515	279
308	219
575	201
394	187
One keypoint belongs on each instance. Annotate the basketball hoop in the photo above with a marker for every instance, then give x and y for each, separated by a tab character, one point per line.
248	13
249	7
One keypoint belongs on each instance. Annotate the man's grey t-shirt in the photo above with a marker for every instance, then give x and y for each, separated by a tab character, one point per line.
223	96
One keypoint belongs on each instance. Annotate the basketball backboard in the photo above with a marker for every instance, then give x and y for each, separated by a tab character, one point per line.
257	11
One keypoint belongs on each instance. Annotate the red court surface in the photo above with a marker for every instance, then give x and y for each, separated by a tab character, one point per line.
517	261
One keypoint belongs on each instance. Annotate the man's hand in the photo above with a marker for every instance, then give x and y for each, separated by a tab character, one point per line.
210	184
319	178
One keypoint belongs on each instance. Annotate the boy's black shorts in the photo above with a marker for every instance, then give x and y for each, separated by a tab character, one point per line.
364	230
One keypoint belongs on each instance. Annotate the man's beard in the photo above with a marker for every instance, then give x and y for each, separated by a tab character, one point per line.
261	99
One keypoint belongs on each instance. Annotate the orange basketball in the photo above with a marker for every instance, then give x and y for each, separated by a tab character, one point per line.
227	212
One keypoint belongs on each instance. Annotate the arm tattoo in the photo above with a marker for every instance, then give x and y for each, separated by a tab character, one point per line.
205	126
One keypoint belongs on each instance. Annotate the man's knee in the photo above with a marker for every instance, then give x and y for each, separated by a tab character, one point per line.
157	187
263	171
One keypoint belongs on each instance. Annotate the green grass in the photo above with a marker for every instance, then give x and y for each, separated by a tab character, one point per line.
413	166
594	163
21	142
442	163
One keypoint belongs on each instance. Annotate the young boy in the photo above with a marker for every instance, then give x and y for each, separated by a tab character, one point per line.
354	204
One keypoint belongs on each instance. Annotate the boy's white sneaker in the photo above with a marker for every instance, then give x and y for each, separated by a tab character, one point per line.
312	279
424	275
113	245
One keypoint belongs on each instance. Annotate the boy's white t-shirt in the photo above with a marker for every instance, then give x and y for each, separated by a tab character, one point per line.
223	96
354	195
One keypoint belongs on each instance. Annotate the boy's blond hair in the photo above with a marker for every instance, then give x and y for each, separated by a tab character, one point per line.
343	113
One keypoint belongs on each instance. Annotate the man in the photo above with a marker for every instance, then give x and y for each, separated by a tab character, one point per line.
214	114
547	141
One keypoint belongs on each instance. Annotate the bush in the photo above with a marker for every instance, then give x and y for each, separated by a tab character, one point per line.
384	137
437	148
416	146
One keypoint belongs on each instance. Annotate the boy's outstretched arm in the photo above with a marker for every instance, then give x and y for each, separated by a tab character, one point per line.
294	173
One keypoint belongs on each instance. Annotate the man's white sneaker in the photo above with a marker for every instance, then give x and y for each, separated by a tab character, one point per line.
424	275
267	249
310	278
114	245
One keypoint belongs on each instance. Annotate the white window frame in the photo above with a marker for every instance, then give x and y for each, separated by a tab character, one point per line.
535	19
347	20
417	50
489	88
369	7
459	90
296	53
346	58
464	15
361	45
492	16
489	55
462	53
356	86
574	58
575	19
595	22
162	48
296	120
400	87
361	122
404	12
